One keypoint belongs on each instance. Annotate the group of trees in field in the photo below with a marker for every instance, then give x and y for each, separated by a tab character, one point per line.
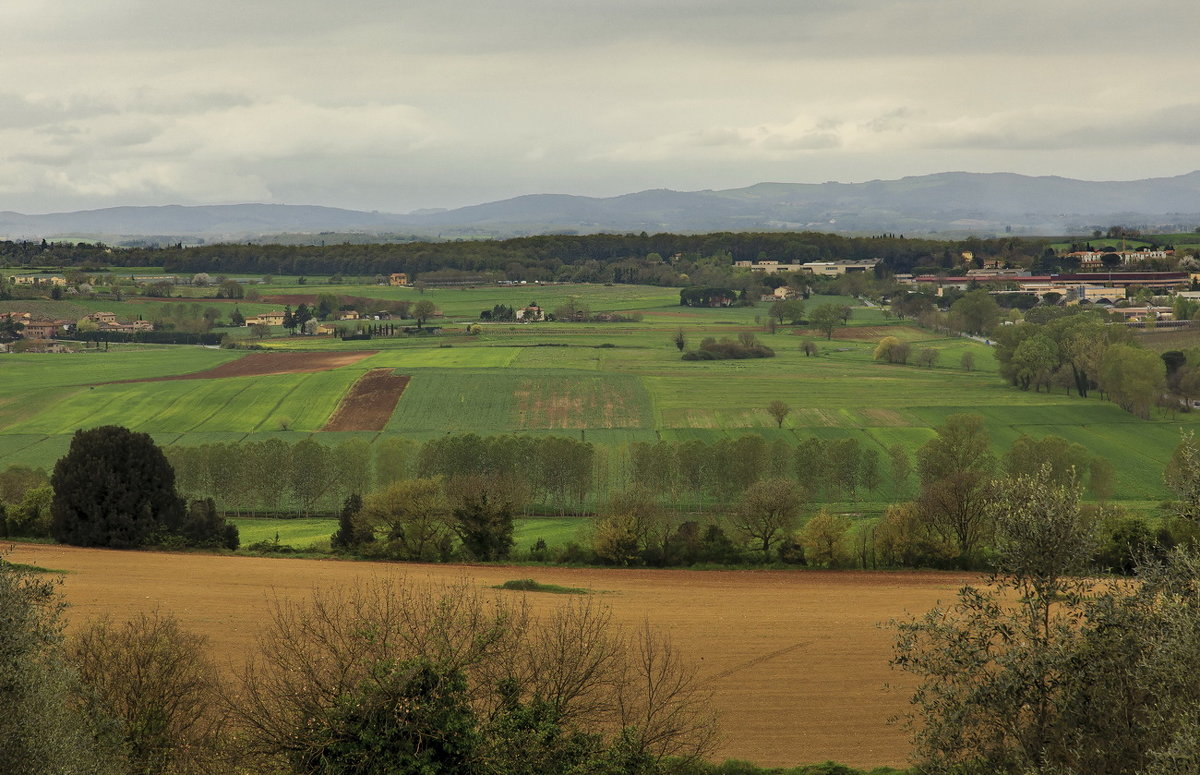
1081	353
373	679
307	477
745	346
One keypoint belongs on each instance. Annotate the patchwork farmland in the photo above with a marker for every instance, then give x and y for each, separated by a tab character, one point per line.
610	384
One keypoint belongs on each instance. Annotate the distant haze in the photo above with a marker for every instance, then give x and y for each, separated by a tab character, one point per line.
371	105
947	203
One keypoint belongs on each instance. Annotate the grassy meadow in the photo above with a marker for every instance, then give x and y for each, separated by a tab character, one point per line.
607	383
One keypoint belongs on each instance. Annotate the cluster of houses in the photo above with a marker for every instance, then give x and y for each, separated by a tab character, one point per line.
39	333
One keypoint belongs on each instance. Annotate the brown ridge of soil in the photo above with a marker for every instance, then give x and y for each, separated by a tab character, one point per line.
290	298
370	403
796	660
264	363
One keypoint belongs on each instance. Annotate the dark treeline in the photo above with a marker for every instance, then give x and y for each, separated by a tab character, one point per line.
658	259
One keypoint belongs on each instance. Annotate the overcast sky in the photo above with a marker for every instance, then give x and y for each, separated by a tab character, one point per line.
395	105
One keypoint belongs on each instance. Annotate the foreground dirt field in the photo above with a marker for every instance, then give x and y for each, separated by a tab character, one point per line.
797	659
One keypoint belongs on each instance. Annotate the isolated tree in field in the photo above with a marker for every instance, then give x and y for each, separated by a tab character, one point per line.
422	311
809	347
967	361
928	357
113	488
679	340
767	512
825	318
778	411
889	350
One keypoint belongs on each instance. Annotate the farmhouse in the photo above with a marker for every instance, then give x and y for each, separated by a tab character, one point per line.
266	319
101	318
398	278
531	314
44	329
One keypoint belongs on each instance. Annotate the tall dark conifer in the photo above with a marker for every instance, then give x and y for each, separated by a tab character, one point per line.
113	488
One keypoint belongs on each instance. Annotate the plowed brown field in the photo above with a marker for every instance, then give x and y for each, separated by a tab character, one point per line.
797	659
262	364
370	403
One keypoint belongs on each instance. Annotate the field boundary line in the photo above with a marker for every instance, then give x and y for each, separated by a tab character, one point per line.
279	403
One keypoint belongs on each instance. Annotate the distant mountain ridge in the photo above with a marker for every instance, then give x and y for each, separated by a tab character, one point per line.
959	202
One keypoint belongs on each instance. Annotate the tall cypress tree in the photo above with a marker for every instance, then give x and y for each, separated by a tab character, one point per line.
113	488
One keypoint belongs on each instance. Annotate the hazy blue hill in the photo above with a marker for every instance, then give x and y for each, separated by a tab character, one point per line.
948	201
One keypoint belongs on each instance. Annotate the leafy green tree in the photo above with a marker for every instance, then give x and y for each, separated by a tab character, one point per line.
825	318
1134	378
989	697
976	312
824	538
113	488
411	516
767	512
1182	476
955	469
423	310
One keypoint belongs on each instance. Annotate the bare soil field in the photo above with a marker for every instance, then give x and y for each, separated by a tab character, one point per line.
370	402
797	659
264	363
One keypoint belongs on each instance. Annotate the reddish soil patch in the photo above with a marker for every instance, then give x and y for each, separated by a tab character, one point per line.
262	364
370	403
796	660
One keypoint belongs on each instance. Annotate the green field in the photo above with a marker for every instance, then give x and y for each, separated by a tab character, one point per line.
302	533
611	384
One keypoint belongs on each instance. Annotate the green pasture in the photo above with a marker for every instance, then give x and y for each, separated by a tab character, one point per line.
610	384
302	533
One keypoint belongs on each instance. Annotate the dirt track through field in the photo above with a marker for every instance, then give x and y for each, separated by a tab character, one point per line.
796	659
263	363
370	403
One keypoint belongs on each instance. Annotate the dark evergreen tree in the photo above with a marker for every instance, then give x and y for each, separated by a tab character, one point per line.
349	534
237	318
484	524
289	320
113	488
